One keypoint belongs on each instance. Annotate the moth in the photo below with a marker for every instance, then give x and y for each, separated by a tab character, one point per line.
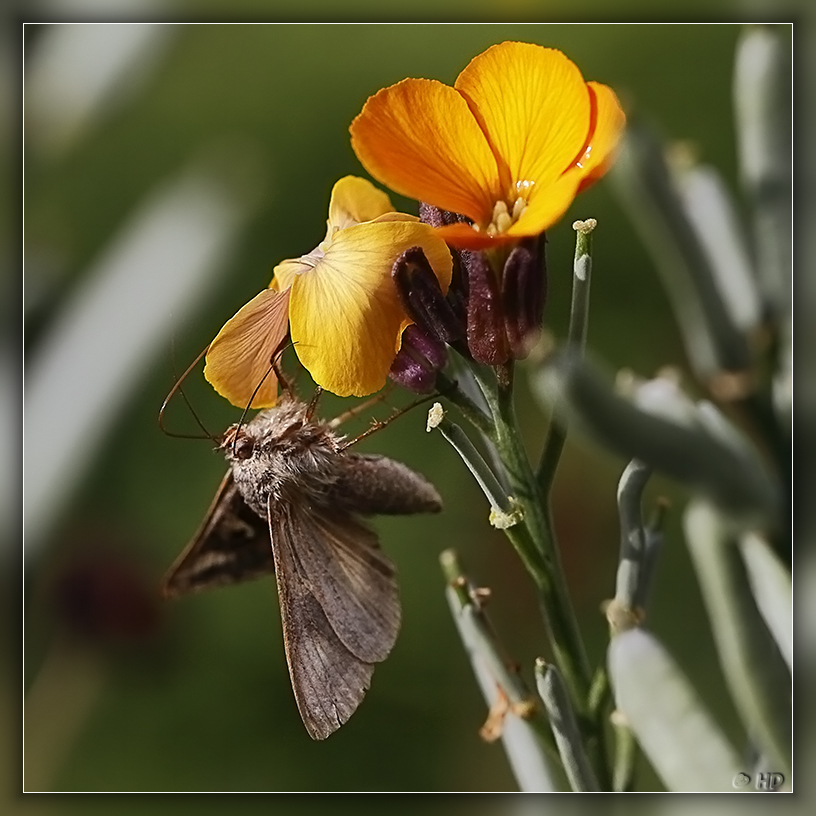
291	504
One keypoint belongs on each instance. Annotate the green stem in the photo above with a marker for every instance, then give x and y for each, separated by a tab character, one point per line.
548	573
534	541
476	416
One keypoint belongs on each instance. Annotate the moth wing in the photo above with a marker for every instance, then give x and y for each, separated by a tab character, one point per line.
340	560
340	611
231	545
376	485
328	680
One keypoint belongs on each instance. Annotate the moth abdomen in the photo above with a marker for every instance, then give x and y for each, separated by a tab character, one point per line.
376	485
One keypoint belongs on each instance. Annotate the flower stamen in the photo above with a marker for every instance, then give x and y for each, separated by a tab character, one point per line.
504	217
519	207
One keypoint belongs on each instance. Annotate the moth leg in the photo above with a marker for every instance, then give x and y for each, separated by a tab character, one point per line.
312	406
379	424
275	365
363	406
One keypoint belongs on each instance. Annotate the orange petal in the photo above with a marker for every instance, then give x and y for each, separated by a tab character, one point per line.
463	236
534	108
609	120
420	138
238	359
354	200
345	316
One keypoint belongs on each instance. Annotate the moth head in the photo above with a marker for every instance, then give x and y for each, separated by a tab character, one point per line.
238	443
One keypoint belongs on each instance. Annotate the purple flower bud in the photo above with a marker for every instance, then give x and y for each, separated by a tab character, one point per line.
486	337
421	297
457	295
418	360
524	283
429	214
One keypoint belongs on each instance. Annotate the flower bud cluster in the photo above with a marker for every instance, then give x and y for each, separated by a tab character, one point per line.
492	315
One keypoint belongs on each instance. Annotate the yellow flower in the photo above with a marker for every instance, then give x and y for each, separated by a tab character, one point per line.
509	146
339	302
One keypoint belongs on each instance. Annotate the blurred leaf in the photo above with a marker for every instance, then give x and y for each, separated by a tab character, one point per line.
762	101
772	588
642	179
753	666
710	209
677	441
683	743
104	338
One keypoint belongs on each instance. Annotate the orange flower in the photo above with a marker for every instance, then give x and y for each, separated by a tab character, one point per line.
509	146
338	301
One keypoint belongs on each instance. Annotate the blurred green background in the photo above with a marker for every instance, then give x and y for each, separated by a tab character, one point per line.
195	695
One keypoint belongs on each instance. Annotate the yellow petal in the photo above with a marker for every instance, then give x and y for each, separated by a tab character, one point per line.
354	200
534	108
286	271
419	138
239	358
608	121
345	316
396	216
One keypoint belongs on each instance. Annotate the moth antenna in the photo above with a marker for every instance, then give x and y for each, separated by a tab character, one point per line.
282	379
378	425
177	387
249	405
364	406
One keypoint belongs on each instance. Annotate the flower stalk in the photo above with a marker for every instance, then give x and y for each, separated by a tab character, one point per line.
534	541
576	340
